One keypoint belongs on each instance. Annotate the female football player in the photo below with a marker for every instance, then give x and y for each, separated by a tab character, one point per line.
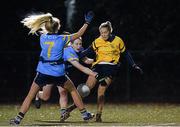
108	49
71	58
50	69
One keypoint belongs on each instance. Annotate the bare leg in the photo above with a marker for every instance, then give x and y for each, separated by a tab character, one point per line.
78	100
75	95
101	97
27	102
45	93
91	82
63	100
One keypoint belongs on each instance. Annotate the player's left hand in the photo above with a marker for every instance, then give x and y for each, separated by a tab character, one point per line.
138	69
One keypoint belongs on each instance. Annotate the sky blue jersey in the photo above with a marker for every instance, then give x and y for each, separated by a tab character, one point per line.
52	49
69	55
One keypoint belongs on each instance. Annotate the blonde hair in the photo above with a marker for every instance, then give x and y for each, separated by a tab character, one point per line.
106	24
44	22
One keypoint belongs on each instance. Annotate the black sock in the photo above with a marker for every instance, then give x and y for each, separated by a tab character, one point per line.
20	115
99	112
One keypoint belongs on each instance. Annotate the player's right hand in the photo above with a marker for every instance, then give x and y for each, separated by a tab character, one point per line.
89	16
138	69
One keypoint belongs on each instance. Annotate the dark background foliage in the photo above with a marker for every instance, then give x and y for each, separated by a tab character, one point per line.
149	28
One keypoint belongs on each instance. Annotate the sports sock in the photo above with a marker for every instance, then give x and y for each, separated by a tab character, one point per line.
19	117
83	111
71	107
99	112
62	110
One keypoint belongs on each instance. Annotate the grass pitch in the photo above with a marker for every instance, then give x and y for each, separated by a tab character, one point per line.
148	114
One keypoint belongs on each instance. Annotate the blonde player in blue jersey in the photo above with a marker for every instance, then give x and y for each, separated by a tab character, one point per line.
50	69
71	59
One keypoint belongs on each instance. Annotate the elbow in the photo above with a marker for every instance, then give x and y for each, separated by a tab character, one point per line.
79	34
76	35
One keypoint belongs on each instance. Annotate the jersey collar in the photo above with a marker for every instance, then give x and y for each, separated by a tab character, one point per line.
111	38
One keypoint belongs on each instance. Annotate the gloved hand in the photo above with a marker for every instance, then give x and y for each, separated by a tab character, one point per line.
138	69
89	16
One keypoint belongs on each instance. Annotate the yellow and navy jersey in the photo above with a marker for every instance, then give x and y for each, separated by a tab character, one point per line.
108	51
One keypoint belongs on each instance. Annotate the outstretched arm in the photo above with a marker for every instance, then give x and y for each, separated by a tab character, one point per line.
80	32
88	18
82	68
88	60
126	54
130	60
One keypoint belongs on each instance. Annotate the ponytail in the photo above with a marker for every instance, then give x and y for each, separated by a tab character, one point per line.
36	22
106	24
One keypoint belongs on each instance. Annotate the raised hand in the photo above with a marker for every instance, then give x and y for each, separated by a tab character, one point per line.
89	16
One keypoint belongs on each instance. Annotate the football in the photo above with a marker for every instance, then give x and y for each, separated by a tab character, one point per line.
83	90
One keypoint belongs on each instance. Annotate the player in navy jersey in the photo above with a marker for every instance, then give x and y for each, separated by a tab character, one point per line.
71	59
50	69
108	50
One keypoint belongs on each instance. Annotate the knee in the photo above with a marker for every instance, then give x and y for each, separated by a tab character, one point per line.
91	82
101	93
63	93
69	87
45	97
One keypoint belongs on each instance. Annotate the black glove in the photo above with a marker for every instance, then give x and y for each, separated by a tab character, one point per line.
100	78
89	16
138	69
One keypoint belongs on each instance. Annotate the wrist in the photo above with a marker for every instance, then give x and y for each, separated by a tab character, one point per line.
87	23
134	65
96	76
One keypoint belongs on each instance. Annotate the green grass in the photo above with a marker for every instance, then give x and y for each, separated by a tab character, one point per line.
113	115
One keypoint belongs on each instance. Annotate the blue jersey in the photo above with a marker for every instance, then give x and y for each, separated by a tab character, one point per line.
52	49
69	55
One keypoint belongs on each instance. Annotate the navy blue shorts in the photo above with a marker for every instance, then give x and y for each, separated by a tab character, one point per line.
106	70
43	79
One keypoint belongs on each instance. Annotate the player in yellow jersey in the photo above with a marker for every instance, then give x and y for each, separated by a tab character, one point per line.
108	49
